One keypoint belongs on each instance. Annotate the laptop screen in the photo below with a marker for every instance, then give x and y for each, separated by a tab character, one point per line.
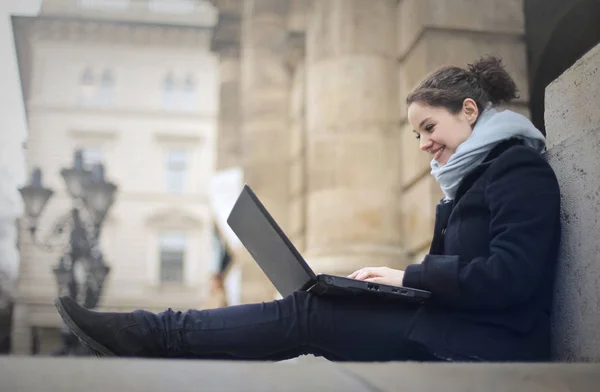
268	245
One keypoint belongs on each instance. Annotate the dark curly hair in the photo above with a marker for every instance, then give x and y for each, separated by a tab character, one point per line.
484	81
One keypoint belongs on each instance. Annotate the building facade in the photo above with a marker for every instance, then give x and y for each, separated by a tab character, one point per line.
133	85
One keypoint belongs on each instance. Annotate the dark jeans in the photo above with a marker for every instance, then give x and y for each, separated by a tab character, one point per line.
337	328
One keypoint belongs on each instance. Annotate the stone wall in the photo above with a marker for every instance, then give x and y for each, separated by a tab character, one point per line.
573	128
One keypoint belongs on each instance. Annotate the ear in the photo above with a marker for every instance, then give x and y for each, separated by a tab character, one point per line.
470	110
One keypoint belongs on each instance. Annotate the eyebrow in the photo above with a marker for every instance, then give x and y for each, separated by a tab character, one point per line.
422	123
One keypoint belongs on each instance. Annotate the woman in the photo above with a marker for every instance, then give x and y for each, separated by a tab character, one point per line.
490	266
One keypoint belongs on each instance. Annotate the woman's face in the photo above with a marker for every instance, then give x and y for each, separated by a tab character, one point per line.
441	132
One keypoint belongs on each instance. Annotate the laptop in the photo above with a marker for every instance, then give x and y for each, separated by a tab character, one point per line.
286	268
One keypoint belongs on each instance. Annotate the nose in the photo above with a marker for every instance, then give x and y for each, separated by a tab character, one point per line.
425	143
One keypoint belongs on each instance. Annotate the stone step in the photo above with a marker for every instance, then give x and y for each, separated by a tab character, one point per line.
144	375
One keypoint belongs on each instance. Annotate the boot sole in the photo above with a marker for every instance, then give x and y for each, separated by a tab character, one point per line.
98	349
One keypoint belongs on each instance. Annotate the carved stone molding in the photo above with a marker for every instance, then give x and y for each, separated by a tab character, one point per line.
229	6
175	218
178	139
89	31
226	34
101	136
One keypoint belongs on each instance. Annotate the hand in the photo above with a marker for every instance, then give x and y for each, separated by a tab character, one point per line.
383	275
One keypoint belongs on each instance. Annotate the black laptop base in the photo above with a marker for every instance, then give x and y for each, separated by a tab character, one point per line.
339	286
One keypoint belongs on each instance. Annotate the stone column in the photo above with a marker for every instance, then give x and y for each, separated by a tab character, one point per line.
353	141
21	330
297	160
226	43
265	127
228	139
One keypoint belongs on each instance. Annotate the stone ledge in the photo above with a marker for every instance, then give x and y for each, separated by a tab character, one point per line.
89	374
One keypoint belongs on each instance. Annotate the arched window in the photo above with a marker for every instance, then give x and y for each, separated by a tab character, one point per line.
97	89
87	77
87	87
180	93
189	94
169	92
172	252
107	88
189	84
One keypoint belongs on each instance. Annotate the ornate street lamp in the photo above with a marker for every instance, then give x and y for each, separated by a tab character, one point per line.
76	177
81	271
35	197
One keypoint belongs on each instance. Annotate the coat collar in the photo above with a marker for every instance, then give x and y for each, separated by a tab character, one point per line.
474	175
445	208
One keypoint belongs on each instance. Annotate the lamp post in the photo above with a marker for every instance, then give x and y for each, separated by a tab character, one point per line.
81	270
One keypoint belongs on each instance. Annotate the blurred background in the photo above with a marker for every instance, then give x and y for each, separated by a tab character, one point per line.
130	126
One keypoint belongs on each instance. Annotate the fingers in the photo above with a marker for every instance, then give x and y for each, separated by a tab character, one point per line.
369	272
377	279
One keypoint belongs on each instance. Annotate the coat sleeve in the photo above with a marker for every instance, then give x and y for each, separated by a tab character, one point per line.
523	198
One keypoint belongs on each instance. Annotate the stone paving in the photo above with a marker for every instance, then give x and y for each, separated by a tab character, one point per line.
136	375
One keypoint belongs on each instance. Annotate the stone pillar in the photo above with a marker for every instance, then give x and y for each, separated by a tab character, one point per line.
430	34
297	160
228	139
296	63
265	127
21	330
353	141
226	43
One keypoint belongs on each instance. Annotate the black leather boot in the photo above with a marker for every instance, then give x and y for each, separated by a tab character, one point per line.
107	334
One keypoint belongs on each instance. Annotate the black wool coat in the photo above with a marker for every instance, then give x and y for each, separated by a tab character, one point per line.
491	263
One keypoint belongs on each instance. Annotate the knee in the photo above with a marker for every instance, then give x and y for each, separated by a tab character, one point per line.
299	301
297	297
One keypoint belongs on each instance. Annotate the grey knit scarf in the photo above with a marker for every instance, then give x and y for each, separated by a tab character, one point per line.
491	129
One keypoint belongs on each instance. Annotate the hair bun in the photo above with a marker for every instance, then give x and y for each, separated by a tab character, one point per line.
494	79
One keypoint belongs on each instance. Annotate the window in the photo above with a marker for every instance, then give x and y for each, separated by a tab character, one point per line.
97	89
169	93
172	257
180	93
91	157
88	87
107	88
188	94
176	171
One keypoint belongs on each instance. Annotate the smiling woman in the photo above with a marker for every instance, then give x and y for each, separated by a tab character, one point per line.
490	267
449	112
449	102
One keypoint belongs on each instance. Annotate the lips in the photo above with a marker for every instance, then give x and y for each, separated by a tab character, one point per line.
438	153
